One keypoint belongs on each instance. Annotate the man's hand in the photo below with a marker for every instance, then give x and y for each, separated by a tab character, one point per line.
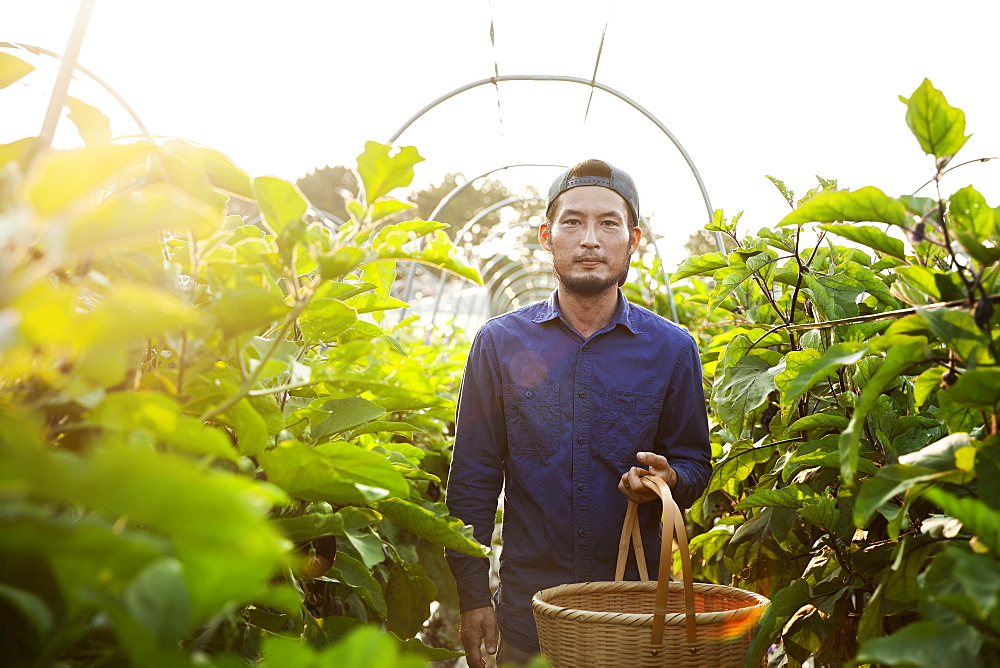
478	625
633	488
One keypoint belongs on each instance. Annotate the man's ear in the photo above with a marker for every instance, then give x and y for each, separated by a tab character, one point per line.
636	234
543	236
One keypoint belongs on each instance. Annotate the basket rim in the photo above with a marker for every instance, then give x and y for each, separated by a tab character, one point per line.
544	608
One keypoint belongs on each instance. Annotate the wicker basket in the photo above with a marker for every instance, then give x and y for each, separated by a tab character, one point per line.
647	623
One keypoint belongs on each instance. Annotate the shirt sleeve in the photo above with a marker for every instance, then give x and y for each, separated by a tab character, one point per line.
477	468
683	430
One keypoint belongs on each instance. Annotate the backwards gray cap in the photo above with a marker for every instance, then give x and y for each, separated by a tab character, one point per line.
596	173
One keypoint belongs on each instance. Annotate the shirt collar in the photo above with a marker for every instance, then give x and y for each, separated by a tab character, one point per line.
623	314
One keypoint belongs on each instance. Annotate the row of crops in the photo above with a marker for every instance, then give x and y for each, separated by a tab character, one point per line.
214	450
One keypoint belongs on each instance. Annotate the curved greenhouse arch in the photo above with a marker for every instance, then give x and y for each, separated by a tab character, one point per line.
594	84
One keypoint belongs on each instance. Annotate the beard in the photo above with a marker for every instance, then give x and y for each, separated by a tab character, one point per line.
590	285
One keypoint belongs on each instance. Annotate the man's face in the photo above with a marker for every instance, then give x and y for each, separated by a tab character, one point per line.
590	240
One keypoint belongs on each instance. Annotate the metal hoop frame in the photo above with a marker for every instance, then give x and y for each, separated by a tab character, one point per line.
587	82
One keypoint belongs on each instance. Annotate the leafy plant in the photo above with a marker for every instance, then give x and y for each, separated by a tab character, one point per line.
855	393
209	448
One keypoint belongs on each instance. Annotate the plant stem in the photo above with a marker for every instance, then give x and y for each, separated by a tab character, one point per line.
251	380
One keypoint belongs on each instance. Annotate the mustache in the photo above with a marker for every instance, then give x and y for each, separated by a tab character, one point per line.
589	258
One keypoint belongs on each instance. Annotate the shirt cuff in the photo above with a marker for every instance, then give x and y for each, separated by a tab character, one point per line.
683	493
474	591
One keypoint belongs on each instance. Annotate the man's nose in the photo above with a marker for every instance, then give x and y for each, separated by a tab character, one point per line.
589	239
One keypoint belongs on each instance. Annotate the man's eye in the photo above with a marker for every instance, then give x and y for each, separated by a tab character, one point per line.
611	223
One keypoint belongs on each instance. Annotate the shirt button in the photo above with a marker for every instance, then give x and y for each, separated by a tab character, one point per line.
527	394
579	439
586	349
581	533
581	394
580	486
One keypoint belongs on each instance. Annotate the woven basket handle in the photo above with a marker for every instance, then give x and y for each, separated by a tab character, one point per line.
673	525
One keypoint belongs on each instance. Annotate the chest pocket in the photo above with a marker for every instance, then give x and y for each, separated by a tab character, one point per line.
531	413
628	425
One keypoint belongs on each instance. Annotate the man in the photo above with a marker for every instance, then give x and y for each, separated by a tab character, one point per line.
559	402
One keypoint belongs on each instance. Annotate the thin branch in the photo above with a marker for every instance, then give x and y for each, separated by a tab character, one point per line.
873	317
961	164
251	380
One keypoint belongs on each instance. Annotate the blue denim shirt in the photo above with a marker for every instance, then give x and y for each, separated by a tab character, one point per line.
553	420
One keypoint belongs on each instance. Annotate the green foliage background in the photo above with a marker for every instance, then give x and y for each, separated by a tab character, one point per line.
854	389
213	453
210	451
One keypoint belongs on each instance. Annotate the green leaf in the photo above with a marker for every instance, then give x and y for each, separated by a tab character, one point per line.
394	237
94	127
987	467
836	296
346	414
324	319
371	302
140	217
17	151
388	207
66	176
926	384
380	274
741	268
339	473
409	596
906	352
784	603
926	644
890	481
818	421
940	455
12	69
438	252
380	173
822	512
938	126
869	236
742	388
793	496
871	283
363	646
783	189
869	204
27	604
355	575
342	262
433	523
158	600
242	309
280	201
387	426
220	170
155	416
957	329
974	514
973	221
427	653
251	430
700	265
369	547
979	576
938	285
228	555
825	457
311	525
809	373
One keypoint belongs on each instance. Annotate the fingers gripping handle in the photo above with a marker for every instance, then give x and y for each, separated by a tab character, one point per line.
673	526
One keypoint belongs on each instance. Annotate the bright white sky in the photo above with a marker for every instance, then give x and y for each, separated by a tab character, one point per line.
787	88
